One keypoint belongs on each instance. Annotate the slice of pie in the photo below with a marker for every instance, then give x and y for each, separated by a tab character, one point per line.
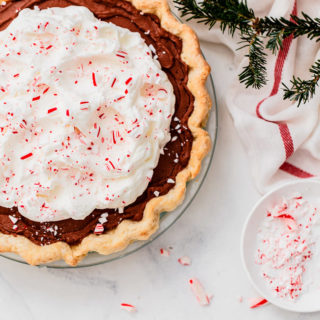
102	107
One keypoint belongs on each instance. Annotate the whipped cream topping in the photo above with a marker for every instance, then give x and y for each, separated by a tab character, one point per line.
85	114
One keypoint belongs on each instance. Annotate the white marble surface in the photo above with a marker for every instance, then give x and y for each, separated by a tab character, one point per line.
209	232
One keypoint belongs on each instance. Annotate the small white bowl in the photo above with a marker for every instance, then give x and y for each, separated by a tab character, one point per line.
310	190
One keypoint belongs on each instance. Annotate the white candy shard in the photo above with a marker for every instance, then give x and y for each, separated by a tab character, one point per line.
164	252
103	218
185	261
13	219
199	292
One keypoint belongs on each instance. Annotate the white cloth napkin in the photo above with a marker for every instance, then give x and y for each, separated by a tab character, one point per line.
282	141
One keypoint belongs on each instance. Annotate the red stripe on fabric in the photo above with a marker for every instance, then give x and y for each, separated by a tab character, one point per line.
283	53
287	139
295	171
283	127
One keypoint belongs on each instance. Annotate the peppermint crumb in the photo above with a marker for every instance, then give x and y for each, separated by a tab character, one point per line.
170	181
128	307
164	252
174	138
156	193
152	48
185	261
13	219
103	218
147	32
120	210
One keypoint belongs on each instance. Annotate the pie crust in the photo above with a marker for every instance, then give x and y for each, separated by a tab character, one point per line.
128	231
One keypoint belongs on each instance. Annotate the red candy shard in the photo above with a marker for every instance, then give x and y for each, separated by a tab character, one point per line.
128	307
113	82
52	110
94	79
257	302
26	156
285	216
128	80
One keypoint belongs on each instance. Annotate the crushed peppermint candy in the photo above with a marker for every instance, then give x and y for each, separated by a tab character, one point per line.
287	249
170	180
199	292
185	261
13	219
103	218
99	229
128	307
164	252
152	48
156	193
257	302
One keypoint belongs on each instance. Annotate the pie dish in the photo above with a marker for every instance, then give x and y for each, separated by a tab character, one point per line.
54	220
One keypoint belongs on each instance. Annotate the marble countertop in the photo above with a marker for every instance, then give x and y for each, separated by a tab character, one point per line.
209	233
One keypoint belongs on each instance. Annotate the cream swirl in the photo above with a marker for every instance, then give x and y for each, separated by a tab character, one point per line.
85	114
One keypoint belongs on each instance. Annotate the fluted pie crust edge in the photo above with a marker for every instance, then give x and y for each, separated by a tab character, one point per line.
129	231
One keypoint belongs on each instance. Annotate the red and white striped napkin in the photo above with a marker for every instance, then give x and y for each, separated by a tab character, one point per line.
282	141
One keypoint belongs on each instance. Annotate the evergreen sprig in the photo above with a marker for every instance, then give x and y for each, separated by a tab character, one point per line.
254	74
303	90
258	34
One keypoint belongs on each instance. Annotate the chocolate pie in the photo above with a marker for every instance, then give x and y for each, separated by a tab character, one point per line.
102	108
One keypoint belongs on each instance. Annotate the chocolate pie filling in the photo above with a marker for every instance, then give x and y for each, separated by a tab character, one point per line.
168	48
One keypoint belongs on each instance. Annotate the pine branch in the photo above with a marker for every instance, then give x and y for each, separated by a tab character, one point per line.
254	74
258	34
279	29
232	14
303	90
